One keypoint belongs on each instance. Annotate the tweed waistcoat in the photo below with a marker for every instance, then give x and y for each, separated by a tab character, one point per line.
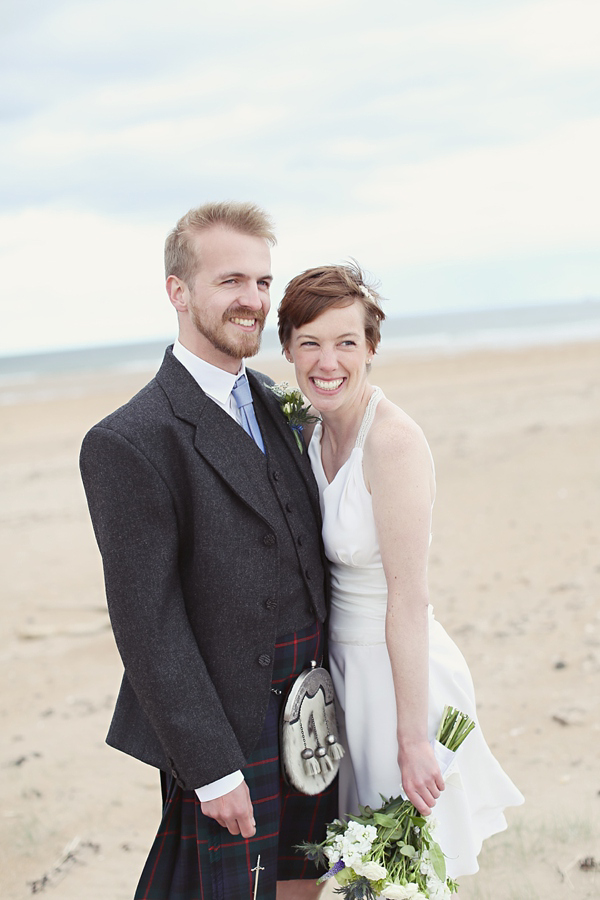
301	578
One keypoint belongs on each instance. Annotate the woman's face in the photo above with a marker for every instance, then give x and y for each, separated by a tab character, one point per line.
330	355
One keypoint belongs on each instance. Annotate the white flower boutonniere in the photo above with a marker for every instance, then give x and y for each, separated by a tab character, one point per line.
294	409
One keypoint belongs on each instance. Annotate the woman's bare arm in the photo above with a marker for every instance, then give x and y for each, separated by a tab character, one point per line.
399	473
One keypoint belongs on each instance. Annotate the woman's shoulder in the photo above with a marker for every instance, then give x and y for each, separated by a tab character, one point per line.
393	428
396	451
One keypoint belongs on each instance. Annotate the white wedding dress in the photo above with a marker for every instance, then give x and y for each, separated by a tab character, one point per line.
477	789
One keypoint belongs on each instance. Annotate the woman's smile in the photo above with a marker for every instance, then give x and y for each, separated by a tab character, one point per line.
327	384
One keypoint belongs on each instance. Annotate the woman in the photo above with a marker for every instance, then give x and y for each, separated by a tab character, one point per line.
394	667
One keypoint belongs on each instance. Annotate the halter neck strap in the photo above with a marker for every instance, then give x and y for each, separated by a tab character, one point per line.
368	417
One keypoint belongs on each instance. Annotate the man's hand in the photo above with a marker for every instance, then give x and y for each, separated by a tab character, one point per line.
233	811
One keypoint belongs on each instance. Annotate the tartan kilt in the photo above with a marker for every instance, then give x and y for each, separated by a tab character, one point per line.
194	858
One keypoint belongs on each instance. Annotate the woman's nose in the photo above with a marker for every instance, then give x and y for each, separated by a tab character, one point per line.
328	359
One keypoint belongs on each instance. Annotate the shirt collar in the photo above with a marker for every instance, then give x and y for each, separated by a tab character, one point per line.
215	382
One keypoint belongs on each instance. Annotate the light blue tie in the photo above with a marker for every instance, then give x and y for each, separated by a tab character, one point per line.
243	398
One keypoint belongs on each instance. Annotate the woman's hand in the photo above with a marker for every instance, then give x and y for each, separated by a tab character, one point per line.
422	780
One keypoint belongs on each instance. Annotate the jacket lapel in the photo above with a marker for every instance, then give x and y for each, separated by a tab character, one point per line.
271	404
218	438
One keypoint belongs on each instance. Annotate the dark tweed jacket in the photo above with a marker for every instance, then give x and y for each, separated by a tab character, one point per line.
186	529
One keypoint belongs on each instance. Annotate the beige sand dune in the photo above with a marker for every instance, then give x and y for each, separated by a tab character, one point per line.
515	578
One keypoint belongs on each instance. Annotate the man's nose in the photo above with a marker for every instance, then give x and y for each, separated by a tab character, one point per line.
250	296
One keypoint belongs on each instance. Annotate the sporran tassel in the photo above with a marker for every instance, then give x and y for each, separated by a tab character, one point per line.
311	766
334	748
326	764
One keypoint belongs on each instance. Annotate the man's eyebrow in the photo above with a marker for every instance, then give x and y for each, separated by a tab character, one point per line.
223	275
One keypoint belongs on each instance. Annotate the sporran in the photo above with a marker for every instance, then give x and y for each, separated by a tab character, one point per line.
310	748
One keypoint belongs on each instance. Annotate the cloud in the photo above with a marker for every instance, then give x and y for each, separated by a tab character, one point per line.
409	135
77	278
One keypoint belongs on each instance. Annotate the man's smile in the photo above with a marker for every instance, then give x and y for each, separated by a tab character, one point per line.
246	323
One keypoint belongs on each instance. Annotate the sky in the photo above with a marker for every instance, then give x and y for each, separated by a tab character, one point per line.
452	148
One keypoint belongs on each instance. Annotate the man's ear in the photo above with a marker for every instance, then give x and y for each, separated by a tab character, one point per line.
178	293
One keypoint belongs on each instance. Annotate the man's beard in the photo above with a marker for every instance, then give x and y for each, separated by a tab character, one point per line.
243	345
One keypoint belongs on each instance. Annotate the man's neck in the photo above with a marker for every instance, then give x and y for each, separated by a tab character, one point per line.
209	354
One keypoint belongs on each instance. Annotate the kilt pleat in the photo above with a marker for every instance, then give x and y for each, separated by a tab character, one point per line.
194	858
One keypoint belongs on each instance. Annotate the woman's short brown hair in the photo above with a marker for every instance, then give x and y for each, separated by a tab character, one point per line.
316	290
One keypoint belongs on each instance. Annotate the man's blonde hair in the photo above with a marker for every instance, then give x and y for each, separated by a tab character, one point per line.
247	218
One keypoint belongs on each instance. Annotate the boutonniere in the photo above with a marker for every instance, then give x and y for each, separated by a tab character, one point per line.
294	409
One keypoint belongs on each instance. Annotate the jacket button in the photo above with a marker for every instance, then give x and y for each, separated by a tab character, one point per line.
264	659
307	574
269	540
271	603
299	539
288	507
276	476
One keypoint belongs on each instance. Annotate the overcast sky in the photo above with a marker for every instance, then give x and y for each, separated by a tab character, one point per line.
451	147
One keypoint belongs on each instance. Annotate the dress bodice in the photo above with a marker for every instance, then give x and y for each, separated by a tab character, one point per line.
358	584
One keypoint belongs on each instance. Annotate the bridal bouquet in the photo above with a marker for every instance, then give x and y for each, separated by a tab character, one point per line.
391	852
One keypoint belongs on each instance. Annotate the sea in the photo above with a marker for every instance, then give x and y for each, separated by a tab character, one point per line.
439	333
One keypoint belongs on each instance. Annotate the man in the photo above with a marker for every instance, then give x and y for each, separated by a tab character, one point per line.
207	519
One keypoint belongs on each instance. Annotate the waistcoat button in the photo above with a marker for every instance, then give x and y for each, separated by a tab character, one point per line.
271	603
269	540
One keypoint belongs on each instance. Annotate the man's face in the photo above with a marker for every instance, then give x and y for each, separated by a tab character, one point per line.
229	296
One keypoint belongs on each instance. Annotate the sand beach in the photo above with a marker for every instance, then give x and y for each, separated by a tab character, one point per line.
514	576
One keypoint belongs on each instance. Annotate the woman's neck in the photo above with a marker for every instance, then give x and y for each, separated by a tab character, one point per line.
341	426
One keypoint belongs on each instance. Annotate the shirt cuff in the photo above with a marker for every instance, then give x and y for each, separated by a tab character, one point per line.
220	787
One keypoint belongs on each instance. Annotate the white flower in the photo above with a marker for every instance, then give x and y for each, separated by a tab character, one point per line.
371	870
281	389
437	889
333	855
357	832
353	845
402	892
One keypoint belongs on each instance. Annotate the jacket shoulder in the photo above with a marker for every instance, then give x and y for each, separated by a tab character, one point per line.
264	380
137	414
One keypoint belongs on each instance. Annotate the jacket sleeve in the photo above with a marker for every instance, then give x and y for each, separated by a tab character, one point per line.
135	522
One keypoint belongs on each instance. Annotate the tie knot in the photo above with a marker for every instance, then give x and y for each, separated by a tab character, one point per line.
241	392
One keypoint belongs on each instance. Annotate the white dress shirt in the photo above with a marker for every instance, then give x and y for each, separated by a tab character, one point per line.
218	384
